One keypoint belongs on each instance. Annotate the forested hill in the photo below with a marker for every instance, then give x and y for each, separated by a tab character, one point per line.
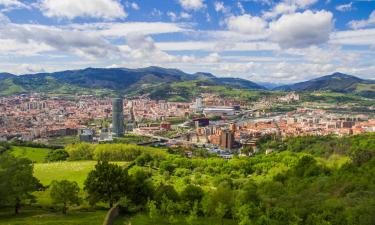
107	80
336	82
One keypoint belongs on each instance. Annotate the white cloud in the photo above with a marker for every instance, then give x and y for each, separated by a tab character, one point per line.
172	16
329	54
9	47
362	37
356	24
216	46
281	8
304	3
12	4
156	12
183	15
287	7
344	7
70	9
32	68
240	7
212	58
192	4
87	45
246	24
135	6
3	20
144	48
301	30
237	68
220	7
120	29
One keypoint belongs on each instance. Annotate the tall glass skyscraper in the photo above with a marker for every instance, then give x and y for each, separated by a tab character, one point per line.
117	117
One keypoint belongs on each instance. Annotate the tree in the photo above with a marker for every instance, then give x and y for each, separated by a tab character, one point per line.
243	214
64	192
17	181
166	191
57	155
141	188
108	183
152	209
193	216
192	193
220	211
80	151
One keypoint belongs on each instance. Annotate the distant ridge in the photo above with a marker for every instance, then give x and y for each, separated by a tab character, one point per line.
6	75
120	80
336	82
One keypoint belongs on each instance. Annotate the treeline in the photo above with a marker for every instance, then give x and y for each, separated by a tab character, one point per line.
32	144
110	152
4	146
321	145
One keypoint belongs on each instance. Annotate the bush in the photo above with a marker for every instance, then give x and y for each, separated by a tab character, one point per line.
81	151
57	155
116	152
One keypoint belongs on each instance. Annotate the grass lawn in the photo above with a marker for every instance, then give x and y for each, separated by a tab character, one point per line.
34	154
73	171
37	216
143	219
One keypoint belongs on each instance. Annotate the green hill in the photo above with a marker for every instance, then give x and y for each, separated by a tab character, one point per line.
337	82
109	81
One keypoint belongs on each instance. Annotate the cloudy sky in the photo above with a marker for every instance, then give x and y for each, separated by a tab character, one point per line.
260	40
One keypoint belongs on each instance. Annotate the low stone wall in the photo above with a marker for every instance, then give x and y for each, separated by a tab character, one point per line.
112	215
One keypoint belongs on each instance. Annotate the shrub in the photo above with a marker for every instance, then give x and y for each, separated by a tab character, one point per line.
81	151
57	155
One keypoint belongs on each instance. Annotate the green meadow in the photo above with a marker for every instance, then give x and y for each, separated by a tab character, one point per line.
34	216
37	155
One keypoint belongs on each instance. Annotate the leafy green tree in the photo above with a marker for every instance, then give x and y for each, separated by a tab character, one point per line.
222	195
193	215
57	155
152	209
220	211
80	151
192	194
17	181
107	182
64	192
143	159
166	191
242	214
141	187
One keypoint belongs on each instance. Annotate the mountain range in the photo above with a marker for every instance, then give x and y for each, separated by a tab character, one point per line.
125	81
336	82
115	80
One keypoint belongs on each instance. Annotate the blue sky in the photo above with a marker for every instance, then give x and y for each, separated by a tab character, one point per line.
260	40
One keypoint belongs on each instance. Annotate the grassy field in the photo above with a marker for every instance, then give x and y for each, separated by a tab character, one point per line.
73	171
143	219
41	217
34	154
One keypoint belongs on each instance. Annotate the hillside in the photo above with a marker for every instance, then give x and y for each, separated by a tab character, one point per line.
337	82
6	75
108	81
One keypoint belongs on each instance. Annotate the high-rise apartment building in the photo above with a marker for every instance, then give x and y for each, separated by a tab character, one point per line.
117	117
